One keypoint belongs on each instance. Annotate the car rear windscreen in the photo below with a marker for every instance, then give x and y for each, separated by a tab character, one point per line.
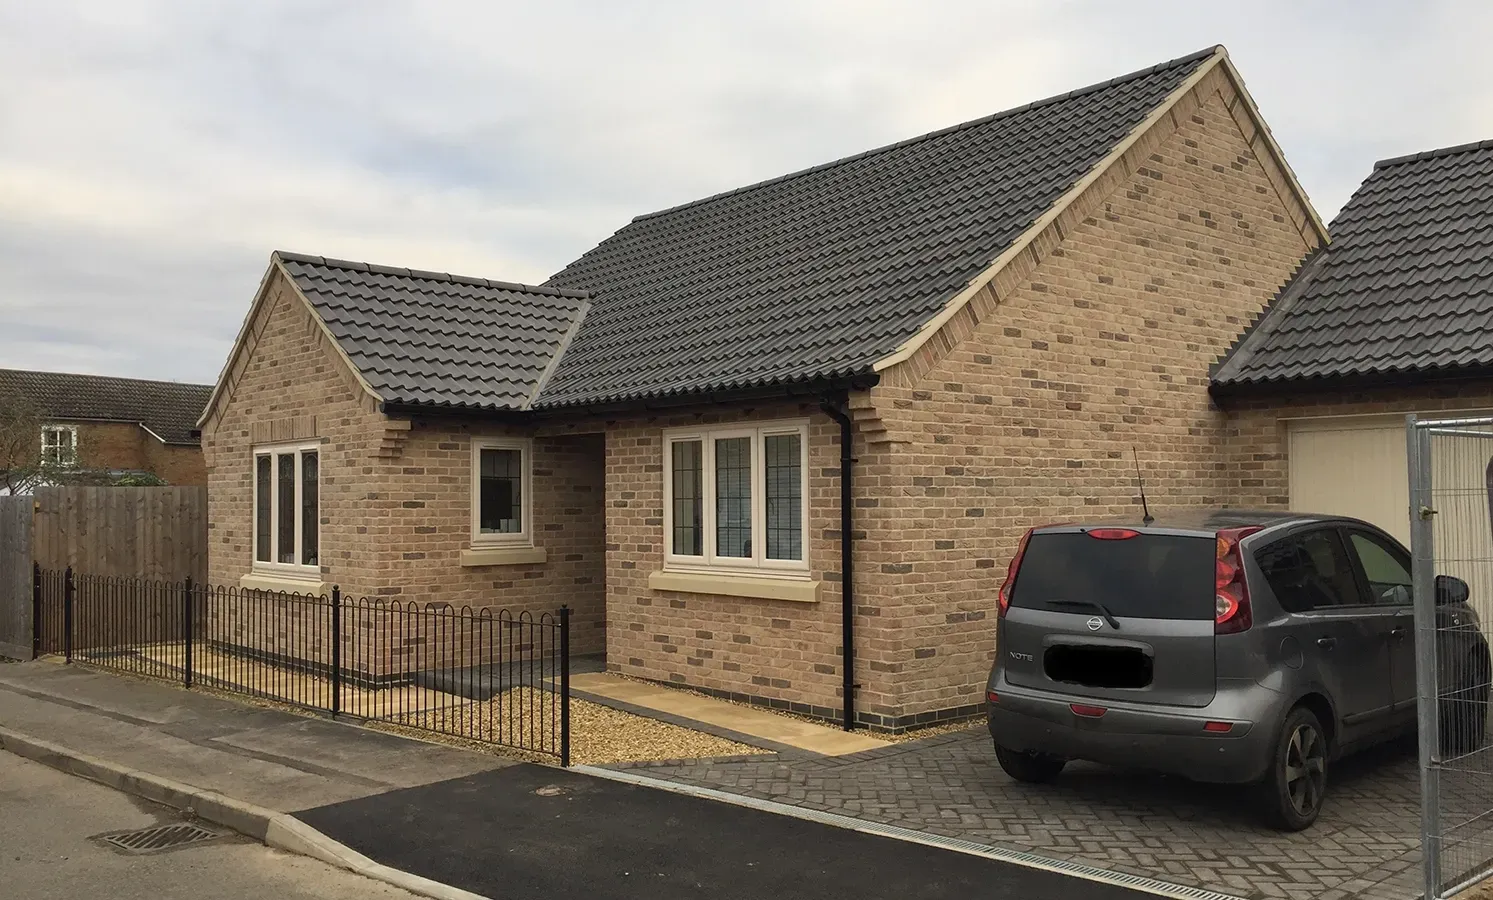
1150	576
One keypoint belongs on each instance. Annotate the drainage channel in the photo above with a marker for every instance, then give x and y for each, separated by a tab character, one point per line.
159	837
896	832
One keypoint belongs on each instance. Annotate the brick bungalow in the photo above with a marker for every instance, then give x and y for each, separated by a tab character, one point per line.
926	347
116	426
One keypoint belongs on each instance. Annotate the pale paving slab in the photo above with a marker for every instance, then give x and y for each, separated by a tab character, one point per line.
735	717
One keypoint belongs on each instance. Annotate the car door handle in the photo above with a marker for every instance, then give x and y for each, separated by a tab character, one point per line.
1397	632
1326	643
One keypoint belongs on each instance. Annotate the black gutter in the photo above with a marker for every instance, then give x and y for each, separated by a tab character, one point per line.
838	409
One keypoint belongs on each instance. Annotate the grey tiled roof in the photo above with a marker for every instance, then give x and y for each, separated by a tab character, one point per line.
1404	291
823	272
168	408
434	339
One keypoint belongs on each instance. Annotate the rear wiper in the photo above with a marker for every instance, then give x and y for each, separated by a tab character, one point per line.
1091	604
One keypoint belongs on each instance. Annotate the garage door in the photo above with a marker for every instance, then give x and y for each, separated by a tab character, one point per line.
1352	467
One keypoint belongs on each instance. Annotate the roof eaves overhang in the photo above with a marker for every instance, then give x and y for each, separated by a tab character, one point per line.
816	387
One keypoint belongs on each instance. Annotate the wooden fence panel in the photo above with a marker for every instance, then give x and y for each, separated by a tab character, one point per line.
158	533
15	577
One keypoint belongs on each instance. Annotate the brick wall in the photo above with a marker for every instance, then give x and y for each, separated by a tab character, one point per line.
1100	345
112	445
174	463
784	651
1255	445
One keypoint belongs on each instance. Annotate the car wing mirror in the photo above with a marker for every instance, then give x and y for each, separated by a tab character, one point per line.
1451	590
1399	595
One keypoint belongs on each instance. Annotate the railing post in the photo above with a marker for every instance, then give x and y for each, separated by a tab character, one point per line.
68	590
336	650
35	610
186	618
565	686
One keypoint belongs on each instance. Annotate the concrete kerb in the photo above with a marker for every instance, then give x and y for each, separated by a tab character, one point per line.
281	831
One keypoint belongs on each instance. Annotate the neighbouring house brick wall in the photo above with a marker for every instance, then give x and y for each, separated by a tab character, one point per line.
395	495
1256	447
175	463
111	445
1100	345
783	651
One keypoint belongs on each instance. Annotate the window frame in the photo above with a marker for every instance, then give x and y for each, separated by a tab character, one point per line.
72	456
710	561
524	537
296	449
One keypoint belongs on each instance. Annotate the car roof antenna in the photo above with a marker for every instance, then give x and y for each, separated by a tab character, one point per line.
1146	518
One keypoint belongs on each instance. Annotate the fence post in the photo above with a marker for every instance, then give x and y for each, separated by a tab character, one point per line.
336	650
35	610
68	590
565	686
1423	581
186	618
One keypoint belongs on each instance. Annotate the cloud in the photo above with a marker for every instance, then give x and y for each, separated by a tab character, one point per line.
153	153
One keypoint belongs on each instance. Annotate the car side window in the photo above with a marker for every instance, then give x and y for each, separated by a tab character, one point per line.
1308	571
1385	568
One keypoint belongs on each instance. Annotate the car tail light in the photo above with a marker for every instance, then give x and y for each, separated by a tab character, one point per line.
1005	591
1089	712
1113	534
992	696
1218	727
1231	611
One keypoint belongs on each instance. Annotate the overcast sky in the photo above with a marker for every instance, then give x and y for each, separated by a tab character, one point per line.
152	154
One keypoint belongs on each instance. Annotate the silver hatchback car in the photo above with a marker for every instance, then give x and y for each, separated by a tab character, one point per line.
1224	647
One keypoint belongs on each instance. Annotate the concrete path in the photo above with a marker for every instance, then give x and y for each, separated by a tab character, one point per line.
266	757
730	718
50	838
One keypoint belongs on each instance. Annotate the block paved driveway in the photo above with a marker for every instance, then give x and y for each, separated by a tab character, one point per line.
1366	844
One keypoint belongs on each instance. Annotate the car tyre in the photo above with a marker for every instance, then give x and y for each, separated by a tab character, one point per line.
1293	791
1032	768
1464	719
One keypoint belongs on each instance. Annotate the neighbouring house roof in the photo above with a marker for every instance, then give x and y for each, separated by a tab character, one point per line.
425	338
167	409
822	273
1403	292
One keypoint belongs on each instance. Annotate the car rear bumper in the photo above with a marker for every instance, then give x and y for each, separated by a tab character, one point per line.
1132	736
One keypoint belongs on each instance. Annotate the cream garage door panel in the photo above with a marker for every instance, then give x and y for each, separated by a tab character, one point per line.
1352	469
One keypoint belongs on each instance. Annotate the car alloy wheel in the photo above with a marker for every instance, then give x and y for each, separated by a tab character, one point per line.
1306	769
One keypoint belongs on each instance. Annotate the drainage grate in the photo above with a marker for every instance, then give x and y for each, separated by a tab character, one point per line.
161	837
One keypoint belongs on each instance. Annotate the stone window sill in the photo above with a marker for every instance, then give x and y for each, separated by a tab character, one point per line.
289	584
502	556
757	587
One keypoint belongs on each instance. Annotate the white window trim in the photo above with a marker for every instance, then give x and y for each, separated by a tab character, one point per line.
758	563
287	570
525	537
72	432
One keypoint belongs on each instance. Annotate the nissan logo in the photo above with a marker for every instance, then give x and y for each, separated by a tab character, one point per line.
1096	623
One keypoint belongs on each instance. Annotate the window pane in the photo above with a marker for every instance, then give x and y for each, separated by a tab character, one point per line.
285	491
262	508
500	500
785	538
1309	571
309	499
1387	573
687	474
733	497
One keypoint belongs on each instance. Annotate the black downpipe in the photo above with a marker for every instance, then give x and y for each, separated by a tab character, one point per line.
837	409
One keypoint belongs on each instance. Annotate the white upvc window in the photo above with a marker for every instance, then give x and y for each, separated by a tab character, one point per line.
502	492
59	445
736	497
287	509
